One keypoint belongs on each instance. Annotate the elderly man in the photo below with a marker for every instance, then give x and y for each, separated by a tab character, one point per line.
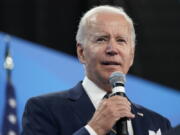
105	44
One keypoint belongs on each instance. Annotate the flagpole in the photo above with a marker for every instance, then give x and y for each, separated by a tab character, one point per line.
8	63
10	120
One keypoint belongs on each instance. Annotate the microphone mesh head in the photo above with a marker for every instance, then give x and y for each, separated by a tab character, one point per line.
117	77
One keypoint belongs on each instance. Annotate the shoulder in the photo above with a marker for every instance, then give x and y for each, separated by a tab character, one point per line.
46	102
56	99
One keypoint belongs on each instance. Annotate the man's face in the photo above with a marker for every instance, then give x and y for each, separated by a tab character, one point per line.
108	47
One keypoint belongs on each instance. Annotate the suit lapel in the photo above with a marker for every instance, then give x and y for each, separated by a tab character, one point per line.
84	109
81	104
139	123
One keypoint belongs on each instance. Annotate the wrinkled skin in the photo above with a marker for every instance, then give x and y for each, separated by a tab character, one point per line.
108	48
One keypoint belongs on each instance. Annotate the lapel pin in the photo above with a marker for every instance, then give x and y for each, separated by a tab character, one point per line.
140	114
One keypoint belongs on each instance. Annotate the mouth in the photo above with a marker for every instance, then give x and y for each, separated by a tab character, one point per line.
110	63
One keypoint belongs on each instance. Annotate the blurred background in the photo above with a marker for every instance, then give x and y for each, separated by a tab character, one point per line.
54	24
46	44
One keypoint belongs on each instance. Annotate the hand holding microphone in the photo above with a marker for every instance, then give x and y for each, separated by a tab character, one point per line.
117	81
111	110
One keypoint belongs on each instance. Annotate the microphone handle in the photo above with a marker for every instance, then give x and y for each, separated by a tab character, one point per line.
121	125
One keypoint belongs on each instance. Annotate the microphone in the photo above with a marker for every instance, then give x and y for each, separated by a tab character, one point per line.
117	81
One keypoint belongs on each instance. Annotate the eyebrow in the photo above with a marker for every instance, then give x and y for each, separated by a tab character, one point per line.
100	34
124	37
103	36
106	35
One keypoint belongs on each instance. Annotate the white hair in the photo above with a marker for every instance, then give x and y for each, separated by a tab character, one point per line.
81	32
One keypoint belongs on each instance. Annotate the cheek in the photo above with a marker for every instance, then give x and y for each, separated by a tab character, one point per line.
127	57
90	56
92	52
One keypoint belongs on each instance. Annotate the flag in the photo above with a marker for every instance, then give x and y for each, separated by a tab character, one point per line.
10	124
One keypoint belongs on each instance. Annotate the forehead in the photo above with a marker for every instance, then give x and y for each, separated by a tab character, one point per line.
108	23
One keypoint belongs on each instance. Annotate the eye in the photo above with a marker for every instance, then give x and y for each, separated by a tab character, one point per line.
101	39
121	40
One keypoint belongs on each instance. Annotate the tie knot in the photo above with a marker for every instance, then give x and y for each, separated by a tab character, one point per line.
107	95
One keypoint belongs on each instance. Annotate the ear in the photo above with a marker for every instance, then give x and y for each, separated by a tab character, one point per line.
80	53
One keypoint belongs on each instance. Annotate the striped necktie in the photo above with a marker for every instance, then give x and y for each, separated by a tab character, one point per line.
112	131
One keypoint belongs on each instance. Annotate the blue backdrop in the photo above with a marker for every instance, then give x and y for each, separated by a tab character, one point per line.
41	70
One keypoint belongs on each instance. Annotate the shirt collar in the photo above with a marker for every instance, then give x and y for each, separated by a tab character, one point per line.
95	93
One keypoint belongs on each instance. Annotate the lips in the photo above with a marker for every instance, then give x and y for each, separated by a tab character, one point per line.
110	63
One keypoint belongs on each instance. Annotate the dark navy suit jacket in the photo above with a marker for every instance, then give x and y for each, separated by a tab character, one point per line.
66	113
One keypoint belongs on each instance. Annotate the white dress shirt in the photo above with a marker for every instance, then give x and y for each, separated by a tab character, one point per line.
96	94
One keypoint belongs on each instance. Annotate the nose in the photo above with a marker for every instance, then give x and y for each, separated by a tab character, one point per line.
111	49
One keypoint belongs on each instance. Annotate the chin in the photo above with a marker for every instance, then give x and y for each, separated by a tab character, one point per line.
105	76
112	71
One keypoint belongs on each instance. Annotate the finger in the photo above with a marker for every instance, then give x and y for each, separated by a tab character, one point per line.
120	105
120	99
123	108
126	114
